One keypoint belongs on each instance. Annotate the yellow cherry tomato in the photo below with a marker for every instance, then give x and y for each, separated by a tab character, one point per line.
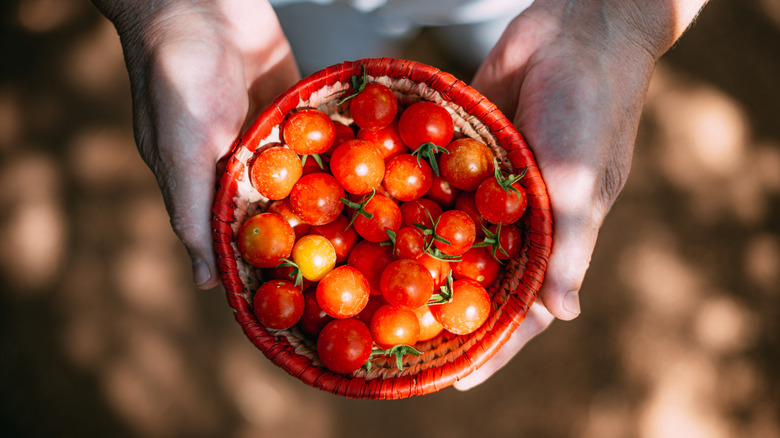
315	256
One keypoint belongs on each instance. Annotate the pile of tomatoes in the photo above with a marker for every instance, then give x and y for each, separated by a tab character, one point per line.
381	234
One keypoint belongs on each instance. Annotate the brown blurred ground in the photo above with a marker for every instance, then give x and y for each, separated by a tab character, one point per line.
101	333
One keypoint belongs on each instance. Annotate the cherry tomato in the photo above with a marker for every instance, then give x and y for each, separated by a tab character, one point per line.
374	302
468	163
385	216
374	107
439	269
511	240
357	166
424	122
314	319
343	133
442	192
316	198
468	310
406	179
416	212
409	243
314	256
394	325
406	283
341	236
458	229
274	171
343	292
344	345
264	239
283	209
278	304
479	265
386	140
371	258
308	131
429	327
500	206
465	203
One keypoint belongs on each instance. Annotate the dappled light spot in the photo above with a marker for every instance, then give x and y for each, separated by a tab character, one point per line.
724	326
40	16
94	64
662	281
102	156
32	236
272	403
762	262
149	281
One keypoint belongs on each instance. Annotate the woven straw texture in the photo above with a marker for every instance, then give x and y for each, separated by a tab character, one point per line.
446	358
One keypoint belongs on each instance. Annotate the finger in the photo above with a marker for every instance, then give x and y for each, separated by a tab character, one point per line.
536	321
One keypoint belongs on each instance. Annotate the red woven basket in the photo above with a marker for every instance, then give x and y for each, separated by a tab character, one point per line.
446	358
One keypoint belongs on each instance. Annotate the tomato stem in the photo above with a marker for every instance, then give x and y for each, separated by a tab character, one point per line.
492	240
295	275
445	293
398	350
428	151
360	208
507	182
357	84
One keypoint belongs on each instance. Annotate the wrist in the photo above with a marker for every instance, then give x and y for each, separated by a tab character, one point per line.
649	25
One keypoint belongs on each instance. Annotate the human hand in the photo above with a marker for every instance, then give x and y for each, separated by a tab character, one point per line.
198	71
573	79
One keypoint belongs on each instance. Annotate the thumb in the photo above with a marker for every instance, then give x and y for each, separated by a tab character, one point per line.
576	222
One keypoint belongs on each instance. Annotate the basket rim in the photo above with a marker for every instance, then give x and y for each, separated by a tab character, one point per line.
278	348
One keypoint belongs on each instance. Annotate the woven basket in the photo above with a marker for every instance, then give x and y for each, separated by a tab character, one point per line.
446	358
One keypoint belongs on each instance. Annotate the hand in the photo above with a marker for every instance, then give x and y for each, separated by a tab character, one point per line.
198	71
573	81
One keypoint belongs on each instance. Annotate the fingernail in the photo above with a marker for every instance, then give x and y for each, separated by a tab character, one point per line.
571	302
200	272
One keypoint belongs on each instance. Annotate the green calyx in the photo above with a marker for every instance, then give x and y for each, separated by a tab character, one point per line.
358	84
398	351
295	275
445	293
428	152
491	240
430	237
507	182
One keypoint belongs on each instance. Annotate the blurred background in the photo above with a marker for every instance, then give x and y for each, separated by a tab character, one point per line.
102	334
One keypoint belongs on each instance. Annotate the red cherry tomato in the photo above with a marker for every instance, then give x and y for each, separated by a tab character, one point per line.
406	283
374	107
316	198
374	302
477	264
341	236
343	292
371	258
439	269
406	179
458	229
283	209
386	140
274	172
394	325
278	304
442	192
429	327
511	240
465	203
409	243
468	310
425	122
416	212
308	131
344	345
500	206
264	239
314	319
385	216
468	163
357	166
